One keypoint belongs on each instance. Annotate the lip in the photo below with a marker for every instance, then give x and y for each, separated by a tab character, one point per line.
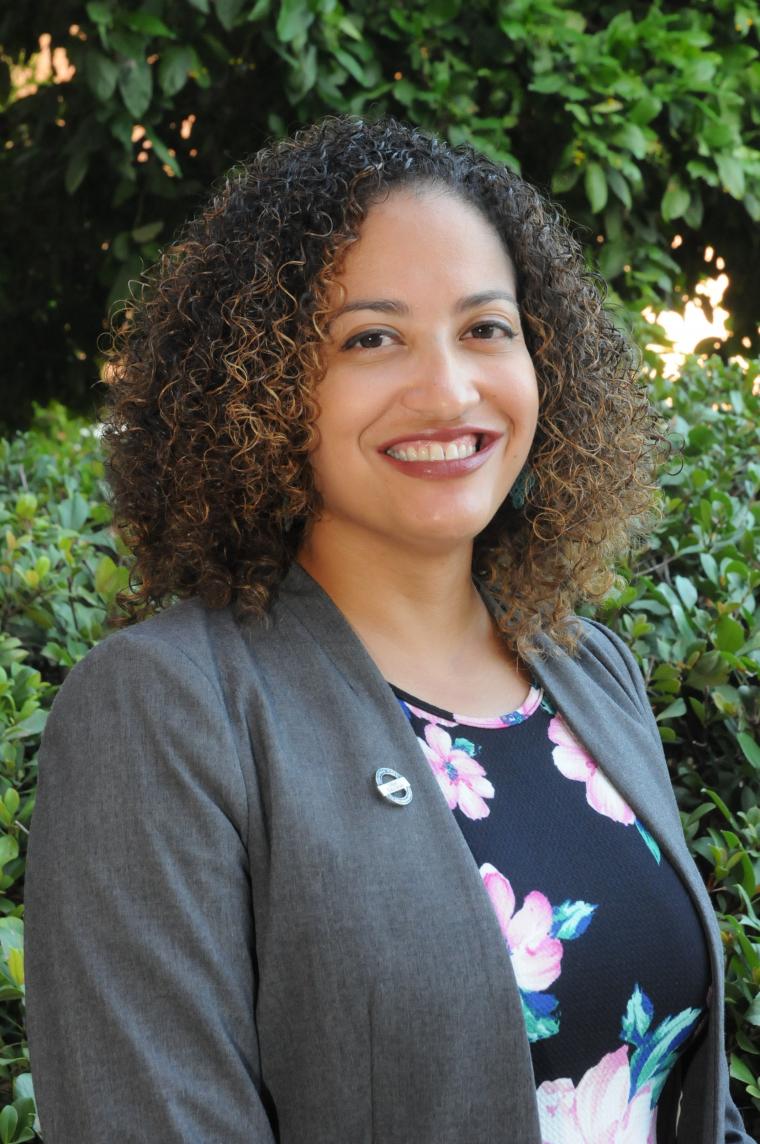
441	470
445	435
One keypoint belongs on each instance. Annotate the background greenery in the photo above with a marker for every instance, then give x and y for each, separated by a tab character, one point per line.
642	117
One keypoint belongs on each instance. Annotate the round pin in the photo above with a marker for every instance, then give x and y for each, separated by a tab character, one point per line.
393	786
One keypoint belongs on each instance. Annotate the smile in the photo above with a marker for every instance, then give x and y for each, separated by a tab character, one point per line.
441	460
455	450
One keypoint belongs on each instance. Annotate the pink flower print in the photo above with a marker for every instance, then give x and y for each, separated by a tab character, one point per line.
598	1111
460	777
574	762
536	957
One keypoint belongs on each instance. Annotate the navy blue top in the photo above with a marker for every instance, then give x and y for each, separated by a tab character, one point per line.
606	946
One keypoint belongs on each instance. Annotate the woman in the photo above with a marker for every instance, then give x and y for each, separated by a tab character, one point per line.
371	424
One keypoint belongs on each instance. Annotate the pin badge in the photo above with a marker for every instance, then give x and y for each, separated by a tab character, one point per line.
393	786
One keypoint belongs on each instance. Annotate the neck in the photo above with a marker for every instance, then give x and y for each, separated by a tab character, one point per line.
424	602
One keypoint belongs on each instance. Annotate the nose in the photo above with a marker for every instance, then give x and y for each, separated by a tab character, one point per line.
442	385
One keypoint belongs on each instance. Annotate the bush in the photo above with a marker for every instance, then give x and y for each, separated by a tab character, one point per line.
687	605
689	610
60	568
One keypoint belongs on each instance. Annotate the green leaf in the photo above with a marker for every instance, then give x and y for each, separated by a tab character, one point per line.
8	1124
740	1071
673	710
549	83
753	1013
729	634
227	12
147	24
136	86
16	966
675	201
8	849
710	567
750	749
163	153
631	138
686	591
346	24
147	232
99	13
23	1087
110	578
718	801
294	17
130	45
645	110
612	258
565	179
352	66
620	187
33	725
73	512
105	575
727	699
101	73
596	187
76	169
731	172
174	67
710	670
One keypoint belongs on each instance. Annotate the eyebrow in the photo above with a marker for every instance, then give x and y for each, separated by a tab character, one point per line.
393	306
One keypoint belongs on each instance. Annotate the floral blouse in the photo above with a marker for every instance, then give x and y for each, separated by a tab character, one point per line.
606	947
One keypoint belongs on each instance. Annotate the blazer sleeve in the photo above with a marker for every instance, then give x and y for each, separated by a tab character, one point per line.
140	957
734	1132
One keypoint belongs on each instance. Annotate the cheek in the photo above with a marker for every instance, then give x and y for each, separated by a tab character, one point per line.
337	431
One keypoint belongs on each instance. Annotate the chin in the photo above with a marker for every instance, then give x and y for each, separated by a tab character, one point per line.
442	539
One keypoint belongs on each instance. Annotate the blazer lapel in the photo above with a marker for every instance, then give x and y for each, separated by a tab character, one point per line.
619	739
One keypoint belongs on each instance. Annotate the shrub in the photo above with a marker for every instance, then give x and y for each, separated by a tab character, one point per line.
686	604
60	568
689	610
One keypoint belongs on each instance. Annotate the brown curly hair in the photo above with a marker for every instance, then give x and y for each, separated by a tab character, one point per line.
213	384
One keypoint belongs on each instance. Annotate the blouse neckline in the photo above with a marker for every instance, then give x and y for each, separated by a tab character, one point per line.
530	704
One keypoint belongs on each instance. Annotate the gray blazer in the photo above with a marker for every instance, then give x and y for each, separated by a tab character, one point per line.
233	938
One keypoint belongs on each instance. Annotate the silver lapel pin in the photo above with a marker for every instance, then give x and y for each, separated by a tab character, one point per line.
393	786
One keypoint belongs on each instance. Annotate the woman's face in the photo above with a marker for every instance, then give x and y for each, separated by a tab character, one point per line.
426	360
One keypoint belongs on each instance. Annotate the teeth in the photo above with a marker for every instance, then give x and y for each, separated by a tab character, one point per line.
436	451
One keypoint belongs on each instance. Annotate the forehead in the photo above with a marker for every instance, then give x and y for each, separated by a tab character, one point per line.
417	238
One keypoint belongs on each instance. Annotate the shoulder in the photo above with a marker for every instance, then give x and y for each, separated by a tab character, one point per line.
613	654
602	662
178	648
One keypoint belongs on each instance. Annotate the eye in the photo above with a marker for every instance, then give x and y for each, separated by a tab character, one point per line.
369	340
492	331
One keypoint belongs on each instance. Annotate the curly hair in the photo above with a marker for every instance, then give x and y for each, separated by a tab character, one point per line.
213	384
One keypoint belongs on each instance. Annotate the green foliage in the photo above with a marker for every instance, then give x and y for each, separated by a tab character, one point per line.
643	121
690	610
60	568
687	605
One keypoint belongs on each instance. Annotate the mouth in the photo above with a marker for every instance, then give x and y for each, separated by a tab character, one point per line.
443	445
